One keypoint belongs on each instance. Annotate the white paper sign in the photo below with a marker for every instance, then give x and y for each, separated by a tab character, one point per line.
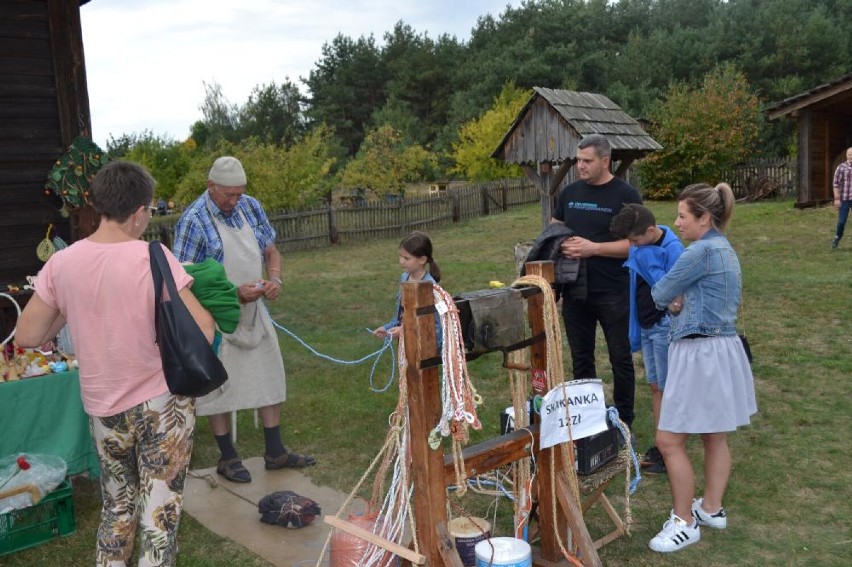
578	405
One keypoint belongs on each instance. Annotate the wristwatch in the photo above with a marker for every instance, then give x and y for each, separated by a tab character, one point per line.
277	280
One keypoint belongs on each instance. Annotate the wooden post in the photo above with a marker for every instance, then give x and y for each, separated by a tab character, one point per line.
333	230
547	504
483	196
424	410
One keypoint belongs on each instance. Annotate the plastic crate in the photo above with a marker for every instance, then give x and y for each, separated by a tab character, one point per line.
49	519
597	450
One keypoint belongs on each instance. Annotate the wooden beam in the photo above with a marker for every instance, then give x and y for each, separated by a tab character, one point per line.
493	453
424	409
546	460
803	157
574	514
810	100
623	167
370	537
447	547
556	180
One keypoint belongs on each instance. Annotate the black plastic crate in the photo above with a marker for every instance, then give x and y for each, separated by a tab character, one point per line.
594	452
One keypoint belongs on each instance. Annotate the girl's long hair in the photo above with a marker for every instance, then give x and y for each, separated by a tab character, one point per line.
418	244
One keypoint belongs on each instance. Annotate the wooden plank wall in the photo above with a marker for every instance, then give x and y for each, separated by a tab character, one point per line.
820	161
43	107
542	135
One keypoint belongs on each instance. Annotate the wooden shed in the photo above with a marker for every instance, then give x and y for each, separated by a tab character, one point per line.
823	118
44	105
543	138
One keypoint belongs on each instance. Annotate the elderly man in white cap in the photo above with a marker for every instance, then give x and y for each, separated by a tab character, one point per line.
226	224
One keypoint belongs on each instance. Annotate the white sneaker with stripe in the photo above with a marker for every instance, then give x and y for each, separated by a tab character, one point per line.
675	535
719	520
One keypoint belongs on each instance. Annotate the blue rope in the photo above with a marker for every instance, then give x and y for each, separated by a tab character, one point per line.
612	415
387	346
473	483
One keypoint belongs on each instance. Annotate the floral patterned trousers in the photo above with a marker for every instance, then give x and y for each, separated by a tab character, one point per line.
144	456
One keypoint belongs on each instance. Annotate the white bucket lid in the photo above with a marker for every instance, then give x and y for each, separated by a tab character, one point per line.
506	550
468	526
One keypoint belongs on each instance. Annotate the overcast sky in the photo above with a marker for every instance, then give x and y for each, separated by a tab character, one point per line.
147	60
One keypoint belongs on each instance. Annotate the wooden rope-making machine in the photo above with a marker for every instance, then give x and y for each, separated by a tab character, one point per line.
559	509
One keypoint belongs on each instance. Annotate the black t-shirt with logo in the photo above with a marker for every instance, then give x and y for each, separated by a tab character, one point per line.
588	210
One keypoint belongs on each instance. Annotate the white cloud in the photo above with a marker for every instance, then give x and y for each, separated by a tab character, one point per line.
146	61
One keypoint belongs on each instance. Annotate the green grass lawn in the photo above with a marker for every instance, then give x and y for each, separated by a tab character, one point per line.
788	499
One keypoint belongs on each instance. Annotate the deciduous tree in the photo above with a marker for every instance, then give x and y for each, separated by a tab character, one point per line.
385	164
702	130
479	138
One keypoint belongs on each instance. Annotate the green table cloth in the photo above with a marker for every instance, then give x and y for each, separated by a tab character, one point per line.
45	415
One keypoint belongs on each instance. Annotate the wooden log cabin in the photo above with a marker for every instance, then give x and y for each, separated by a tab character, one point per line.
44	106
823	117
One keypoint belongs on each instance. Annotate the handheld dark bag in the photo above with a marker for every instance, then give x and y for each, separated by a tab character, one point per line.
746	347
189	363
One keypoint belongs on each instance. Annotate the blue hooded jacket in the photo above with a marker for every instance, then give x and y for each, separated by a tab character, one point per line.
651	262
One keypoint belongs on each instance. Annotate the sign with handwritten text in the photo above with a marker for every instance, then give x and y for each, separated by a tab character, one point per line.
574	410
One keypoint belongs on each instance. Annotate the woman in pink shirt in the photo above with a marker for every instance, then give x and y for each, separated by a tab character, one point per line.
102	288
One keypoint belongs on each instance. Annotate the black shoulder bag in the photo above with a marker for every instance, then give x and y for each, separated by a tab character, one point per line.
189	363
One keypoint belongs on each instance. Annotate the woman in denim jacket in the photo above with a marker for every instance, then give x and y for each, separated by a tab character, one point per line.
710	388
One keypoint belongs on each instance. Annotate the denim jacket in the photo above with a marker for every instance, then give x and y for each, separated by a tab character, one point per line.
709	277
397	320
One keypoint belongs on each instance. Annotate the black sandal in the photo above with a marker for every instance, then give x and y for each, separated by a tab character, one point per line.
288	460
234	470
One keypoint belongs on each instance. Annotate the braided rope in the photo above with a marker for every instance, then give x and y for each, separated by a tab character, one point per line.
555	371
520	387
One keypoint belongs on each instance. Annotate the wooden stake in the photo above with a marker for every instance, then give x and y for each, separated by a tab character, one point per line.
387	545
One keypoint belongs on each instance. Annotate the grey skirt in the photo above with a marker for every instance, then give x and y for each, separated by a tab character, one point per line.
709	388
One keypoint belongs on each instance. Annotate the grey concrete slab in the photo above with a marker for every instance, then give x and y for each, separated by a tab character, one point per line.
229	509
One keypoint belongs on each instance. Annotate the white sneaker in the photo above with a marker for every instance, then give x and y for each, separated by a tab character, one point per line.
676	534
718	520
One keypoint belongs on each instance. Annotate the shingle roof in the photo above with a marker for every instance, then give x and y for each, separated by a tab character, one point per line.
801	100
592	113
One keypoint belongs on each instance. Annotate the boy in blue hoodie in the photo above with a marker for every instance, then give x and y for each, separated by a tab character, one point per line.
653	251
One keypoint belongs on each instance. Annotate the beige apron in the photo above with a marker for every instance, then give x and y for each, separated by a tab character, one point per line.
251	354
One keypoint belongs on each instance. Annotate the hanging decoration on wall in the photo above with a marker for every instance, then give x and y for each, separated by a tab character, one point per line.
72	173
46	248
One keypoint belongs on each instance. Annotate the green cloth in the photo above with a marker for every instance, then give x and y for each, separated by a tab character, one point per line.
216	293
45	415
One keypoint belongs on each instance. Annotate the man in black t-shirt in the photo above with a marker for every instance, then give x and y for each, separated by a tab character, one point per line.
587	206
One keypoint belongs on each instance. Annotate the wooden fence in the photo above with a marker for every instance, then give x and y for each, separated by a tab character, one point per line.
328	225
368	220
776	177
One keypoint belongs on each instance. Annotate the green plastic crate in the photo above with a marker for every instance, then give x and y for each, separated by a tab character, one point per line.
49	519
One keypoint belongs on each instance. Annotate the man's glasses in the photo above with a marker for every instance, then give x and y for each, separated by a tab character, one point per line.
152	209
